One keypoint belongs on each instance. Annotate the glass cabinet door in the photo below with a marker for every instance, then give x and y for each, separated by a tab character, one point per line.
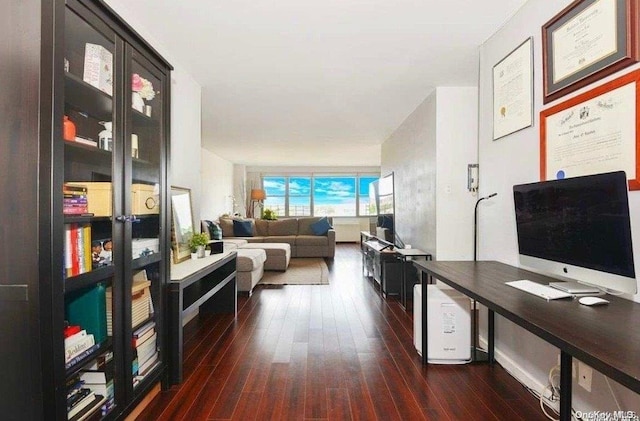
144	149
90	280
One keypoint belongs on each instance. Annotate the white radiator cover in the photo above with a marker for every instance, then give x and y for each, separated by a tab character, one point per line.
348	229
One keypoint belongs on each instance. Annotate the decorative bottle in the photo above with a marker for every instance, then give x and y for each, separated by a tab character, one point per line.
68	129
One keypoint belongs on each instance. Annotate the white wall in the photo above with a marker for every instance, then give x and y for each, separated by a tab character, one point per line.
456	133
217	186
513	160
429	154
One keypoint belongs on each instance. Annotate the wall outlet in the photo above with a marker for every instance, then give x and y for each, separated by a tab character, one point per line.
585	373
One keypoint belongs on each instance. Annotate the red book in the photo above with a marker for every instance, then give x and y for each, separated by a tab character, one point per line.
75	267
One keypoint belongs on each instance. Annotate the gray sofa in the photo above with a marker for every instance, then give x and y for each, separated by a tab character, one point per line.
294	231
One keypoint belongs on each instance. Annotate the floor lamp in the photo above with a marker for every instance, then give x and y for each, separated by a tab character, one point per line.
478	354
257	195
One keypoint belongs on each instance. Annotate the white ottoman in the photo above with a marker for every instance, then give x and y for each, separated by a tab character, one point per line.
278	254
249	268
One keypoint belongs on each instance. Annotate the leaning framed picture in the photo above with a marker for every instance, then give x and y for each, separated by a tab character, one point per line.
513	91
587	41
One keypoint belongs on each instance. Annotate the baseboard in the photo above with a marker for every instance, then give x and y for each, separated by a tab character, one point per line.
515	370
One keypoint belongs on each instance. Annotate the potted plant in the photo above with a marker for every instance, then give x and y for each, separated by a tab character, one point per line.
197	243
269	215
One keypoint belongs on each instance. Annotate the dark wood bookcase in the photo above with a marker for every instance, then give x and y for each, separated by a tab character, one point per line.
47	237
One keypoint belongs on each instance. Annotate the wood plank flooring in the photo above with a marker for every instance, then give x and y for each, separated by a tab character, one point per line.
328	352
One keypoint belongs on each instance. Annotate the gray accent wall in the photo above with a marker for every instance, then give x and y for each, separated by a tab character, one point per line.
429	154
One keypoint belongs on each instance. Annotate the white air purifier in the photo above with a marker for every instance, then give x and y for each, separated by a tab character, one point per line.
448	325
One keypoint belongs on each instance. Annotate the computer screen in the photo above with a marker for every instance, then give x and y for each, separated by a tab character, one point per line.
578	228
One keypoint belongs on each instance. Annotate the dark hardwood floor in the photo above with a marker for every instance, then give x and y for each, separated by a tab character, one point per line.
328	352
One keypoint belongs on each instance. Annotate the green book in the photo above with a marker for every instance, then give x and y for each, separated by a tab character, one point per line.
87	308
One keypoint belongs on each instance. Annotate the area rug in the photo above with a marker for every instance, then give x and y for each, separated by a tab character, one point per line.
301	271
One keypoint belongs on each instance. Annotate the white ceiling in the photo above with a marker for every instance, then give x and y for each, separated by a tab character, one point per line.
318	82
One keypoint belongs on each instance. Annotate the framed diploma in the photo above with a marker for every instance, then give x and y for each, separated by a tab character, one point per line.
513	91
587	41
594	132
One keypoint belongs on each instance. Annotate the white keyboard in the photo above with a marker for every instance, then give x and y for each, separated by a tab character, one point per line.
542	291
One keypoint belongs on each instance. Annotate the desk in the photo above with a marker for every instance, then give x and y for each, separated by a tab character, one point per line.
209	284
605	337
404	255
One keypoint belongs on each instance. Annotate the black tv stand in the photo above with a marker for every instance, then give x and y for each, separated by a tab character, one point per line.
379	261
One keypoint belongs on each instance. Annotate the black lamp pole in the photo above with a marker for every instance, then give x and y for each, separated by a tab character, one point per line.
475	225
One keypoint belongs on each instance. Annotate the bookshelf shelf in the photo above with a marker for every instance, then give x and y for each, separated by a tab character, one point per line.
142	262
88	279
86	98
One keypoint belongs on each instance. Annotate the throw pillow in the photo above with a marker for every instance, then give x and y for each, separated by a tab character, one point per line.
215	232
242	228
321	227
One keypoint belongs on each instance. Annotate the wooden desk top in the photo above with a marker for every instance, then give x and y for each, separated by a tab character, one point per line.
604	337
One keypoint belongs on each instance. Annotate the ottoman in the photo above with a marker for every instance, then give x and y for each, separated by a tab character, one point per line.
249	268
278	254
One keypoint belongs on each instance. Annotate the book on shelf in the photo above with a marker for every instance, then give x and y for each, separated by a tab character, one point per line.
87	308
135	341
144	369
98	67
140	303
146	349
102	375
92	406
77	344
75	200
84	354
77	249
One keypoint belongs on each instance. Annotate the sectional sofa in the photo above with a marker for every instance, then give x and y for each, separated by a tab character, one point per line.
297	232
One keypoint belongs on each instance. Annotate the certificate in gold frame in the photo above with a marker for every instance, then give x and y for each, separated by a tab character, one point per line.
587	41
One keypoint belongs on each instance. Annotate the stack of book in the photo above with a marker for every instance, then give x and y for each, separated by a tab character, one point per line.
98	377
74	200
146	351
77	249
78	344
141	303
82	402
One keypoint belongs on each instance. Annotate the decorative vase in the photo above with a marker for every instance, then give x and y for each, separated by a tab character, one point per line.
194	256
200	252
68	129
137	103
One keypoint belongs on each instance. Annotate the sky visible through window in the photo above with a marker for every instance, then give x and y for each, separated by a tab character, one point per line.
332	195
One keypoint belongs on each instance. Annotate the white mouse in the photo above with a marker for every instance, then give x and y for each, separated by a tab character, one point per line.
592	301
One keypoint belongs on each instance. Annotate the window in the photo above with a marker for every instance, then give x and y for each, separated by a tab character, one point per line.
299	196
334	196
318	195
276	190
364	204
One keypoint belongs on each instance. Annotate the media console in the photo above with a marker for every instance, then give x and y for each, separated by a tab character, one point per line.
604	337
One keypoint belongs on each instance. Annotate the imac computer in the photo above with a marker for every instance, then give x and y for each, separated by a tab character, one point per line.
578	229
